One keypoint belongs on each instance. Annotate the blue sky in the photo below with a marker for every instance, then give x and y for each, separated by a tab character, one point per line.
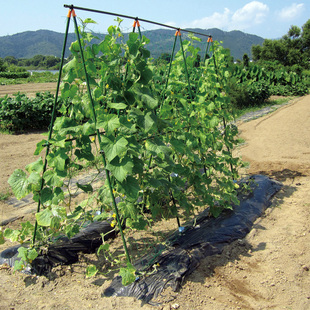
266	18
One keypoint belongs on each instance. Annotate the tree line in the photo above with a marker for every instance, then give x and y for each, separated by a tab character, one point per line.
292	50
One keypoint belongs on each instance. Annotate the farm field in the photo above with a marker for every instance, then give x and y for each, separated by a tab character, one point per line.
269	269
31	88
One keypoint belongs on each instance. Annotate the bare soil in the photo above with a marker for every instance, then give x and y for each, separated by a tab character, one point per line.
30	89
269	269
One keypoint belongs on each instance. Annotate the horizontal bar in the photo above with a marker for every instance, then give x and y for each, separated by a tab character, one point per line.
135	18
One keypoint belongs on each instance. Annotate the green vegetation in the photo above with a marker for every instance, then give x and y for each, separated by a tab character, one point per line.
5	195
20	113
292	50
161	146
162	132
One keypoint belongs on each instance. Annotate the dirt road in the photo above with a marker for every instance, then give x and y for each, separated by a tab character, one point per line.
269	269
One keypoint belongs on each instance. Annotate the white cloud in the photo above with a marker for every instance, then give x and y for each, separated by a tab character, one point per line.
251	14
216	20
291	12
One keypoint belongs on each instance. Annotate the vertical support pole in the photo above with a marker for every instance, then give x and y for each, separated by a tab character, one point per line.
137	24
207	48
224	121
52	120
185	67
99	139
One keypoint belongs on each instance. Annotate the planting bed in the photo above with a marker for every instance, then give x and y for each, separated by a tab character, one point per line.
267	269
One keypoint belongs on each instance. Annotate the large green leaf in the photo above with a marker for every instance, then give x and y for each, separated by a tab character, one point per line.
117	106
57	159
51	178
109	122
130	188
44	218
19	183
120	169
87	188
128	274
40	146
113	147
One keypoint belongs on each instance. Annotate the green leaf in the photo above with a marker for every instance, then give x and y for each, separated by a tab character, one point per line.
120	169
22	253
103	247
128	274
117	106
130	188
109	122
51	178
87	188
18	265
44	218
84	154
19	183
40	146
114	147
32	254
91	271
57	159
35	180
1	237
11	234
36	166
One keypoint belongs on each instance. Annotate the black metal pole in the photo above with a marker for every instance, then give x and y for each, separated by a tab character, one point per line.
135	18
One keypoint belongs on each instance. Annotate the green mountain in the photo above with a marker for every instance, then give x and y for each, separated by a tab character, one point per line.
45	42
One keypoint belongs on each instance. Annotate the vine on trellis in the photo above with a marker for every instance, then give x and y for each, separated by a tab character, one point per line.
160	148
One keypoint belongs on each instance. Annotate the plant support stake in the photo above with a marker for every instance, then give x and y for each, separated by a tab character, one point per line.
99	139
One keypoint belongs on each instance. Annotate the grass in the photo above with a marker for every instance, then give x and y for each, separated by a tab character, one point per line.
5	195
268	103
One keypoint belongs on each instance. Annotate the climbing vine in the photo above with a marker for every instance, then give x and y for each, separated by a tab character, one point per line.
161	146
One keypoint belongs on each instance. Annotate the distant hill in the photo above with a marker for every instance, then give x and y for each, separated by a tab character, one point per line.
45	42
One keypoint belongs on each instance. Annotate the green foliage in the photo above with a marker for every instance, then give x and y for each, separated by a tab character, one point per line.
26	255
128	274
253	85
165	151
14	75
20	113
292	49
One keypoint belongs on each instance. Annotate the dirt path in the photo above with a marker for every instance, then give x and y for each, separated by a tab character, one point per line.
269	269
30	89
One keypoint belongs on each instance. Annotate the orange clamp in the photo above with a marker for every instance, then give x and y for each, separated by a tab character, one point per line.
136	23
71	12
210	39
178	33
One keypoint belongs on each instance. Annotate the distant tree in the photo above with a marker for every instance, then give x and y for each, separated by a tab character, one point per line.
2	65
246	60
11	60
37	60
51	61
165	56
293	49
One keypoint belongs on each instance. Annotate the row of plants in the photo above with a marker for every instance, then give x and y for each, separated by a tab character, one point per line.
14	75
20	113
252	85
164	142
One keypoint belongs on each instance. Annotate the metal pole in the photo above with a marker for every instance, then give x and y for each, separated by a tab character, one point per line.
52	120
99	139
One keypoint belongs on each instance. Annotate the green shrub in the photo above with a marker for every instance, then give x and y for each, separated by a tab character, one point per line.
20	113
14	75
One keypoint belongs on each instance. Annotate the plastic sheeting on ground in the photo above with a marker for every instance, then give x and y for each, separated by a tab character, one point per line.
207	237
